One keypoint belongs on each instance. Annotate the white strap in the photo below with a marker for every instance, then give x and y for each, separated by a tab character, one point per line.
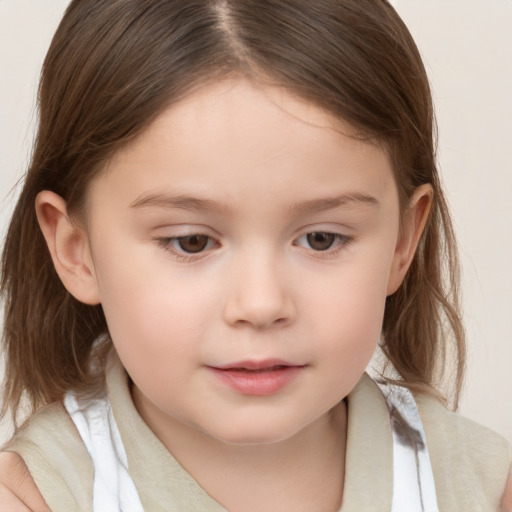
114	490
413	481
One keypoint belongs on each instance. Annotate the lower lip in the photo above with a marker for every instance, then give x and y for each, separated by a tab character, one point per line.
258	383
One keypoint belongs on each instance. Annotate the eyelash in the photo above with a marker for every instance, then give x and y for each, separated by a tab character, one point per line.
340	241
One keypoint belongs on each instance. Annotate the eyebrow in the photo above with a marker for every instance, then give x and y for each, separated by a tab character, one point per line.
330	203
181	202
186	202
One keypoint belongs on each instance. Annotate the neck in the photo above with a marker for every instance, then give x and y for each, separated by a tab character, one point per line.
302	473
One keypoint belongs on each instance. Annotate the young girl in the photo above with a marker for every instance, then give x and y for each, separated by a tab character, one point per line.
229	204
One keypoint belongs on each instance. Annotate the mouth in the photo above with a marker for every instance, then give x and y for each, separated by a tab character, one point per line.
257	366
257	378
259	370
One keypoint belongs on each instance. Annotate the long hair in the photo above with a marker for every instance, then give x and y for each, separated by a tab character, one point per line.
115	65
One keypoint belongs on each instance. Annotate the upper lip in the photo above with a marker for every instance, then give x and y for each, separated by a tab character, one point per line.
265	364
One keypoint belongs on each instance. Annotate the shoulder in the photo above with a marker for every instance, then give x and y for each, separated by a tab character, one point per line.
506	501
464	455
17	487
52	453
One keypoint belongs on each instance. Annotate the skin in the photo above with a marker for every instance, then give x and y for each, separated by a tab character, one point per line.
18	492
254	171
506	501
257	291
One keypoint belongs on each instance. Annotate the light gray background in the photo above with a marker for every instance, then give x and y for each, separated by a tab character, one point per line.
467	47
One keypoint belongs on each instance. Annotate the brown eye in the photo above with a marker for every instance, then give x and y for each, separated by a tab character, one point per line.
193	243
320	241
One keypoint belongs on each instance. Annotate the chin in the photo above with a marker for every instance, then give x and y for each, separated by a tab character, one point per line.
256	440
255	434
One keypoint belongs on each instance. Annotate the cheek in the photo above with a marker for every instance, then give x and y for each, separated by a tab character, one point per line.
348	315
146	304
156	334
153	319
353	329
353	297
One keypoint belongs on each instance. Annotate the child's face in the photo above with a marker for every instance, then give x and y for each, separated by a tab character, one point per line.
243	249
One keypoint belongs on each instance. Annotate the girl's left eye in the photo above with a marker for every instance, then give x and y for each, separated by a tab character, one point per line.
322	241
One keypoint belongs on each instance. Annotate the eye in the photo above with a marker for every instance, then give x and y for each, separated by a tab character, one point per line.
320	241
323	241
192	243
187	245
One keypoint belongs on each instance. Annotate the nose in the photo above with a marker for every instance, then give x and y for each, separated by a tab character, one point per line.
258	295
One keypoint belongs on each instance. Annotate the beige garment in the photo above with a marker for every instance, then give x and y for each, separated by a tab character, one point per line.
470	462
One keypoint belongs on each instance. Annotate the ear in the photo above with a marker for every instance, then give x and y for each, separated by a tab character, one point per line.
413	224
69	248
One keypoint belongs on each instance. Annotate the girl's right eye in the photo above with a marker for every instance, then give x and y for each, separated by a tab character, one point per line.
192	244
188	245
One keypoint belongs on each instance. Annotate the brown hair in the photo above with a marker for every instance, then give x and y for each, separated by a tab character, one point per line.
115	65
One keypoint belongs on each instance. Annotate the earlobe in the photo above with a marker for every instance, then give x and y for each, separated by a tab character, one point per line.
413	224
68	246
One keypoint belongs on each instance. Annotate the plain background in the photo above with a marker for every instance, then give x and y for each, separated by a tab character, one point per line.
467	48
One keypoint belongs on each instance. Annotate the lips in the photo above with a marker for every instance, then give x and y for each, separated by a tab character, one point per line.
265	365
257	378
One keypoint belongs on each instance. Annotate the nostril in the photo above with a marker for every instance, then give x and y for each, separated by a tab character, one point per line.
278	322
261	324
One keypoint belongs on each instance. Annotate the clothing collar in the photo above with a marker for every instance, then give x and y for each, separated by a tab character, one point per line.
368	464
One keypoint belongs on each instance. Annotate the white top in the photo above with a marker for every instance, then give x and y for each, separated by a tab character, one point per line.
413	481
113	489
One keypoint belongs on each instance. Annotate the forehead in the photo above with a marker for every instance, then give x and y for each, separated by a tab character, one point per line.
238	135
